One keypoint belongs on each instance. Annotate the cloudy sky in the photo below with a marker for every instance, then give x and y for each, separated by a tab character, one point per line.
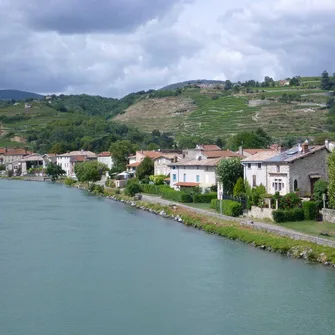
114	47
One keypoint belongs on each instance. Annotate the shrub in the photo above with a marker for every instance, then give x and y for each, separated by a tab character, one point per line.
69	181
320	188
10	173
286	215
167	193
132	187
204	198
239	188
96	189
257	194
289	201
2	167
310	210
229	207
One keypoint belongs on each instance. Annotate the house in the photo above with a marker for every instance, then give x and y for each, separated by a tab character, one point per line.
162	163
208	147
220	154
34	161
68	160
254	172
293	170
106	158
284	82
14	155
193	172
2	153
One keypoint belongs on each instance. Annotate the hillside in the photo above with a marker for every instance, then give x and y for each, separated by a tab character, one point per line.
19	95
210	112
192	82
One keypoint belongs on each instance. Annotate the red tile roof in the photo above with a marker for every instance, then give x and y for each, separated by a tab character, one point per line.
2	150
187	184
211	147
221	153
104	154
17	152
78	158
150	154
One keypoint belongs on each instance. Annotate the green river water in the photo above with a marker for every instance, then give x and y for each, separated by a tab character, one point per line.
74	264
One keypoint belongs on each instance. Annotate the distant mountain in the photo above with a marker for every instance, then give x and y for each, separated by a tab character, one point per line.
19	95
192	82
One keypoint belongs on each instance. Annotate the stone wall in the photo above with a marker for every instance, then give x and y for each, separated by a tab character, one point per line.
260	213
328	215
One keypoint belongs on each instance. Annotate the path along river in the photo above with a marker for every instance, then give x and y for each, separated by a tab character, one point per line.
71	263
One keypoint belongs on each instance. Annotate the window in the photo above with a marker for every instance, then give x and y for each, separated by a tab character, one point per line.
184	177
278	185
197	178
249	165
295	185
278	168
259	166
254	181
173	167
174	177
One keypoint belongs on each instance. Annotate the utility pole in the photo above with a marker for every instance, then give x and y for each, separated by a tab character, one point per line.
221	194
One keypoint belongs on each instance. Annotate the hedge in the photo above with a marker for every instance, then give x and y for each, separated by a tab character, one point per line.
166	192
310	210
229	207
204	198
286	215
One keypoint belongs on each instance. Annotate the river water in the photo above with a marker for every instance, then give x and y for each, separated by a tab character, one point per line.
74	264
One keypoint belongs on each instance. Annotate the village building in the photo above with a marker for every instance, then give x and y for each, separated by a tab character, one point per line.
294	170
14	155
106	158
162	163
68	160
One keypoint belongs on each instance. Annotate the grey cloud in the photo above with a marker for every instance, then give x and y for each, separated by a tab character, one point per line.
85	16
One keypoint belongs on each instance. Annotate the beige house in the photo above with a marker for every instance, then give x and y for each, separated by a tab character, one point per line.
14	155
162	163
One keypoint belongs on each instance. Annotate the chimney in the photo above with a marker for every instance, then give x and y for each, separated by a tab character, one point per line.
305	147
240	150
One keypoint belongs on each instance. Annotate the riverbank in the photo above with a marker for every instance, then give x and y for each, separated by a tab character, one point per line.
312	249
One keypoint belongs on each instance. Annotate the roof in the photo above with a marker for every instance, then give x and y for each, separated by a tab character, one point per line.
256	151
260	157
51	155
2	150
211	147
187	184
78	158
196	162
78	153
150	154
294	154
134	164
168	156
17	152
32	157
221	153
105	154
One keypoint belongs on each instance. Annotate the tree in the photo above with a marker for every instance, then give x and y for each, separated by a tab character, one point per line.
295	81
228	85
145	169
239	188
325	81
320	188
257	140
331	176
132	187
228	172
121	150
54	171
89	171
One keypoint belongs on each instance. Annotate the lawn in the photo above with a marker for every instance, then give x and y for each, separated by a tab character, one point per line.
200	206
312	228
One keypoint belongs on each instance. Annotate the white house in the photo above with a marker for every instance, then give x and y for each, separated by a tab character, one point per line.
193	172
106	158
69	159
254	171
296	169
163	162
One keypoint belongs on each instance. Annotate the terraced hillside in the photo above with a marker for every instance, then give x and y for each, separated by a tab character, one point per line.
212	113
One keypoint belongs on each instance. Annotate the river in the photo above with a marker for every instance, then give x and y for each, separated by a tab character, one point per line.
75	264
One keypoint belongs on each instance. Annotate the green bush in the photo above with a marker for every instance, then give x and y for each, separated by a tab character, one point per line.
2	167
320	188
166	192
287	215
310	210
132	187
239	188
289	201
229	207
69	181
204	198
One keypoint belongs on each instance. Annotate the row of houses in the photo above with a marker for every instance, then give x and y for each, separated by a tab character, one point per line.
283	171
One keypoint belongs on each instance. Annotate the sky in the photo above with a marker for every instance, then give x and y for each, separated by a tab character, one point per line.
115	47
